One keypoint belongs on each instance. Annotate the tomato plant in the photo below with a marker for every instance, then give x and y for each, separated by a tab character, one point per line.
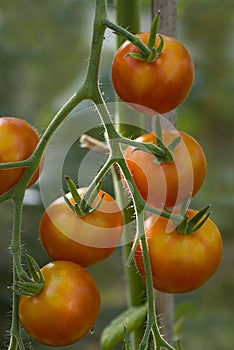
59	303
66	308
167	183
157	86
180	262
85	240
18	141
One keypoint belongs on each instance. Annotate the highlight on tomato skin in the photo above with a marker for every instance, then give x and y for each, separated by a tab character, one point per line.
180	263
168	183
66	308
18	141
153	87
84	240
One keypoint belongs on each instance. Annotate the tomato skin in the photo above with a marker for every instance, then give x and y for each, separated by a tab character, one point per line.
167	183
84	240
180	263
159	86
67	307
18	141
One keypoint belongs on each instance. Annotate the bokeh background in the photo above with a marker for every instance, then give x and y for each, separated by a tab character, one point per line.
44	47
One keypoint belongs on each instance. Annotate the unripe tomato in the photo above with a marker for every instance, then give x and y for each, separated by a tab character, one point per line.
169	183
158	86
84	240
66	308
18	140
180	263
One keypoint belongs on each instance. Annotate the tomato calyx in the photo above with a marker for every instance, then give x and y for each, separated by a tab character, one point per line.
82	206
147	53
162	153
153	52
29	285
188	226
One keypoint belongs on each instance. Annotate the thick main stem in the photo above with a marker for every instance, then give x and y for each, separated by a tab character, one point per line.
128	16
167	26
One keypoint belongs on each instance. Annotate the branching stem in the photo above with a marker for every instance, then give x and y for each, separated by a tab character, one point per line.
88	91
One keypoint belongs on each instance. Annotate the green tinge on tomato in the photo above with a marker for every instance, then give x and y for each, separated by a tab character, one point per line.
180	263
155	87
66	308
85	240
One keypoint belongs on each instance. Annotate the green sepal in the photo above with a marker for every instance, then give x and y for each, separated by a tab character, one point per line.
125	323
73	189
137	56
82	205
188	226
168	155
88	198
172	146
169	149
154	30
194	224
155	51
34	269
28	288
152	149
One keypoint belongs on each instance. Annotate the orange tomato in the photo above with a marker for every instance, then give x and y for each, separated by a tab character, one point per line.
180	262
66	308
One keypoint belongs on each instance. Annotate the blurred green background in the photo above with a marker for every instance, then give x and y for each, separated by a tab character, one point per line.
44	47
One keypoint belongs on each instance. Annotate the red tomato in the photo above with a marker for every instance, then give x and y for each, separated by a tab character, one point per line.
18	141
66	308
167	183
84	240
180	262
159	86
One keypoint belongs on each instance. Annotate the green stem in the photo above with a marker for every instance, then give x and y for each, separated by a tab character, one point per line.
18	272
144	49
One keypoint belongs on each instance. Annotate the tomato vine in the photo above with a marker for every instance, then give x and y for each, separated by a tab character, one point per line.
31	282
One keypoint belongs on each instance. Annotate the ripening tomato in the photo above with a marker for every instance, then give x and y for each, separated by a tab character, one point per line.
18	140
180	263
169	183
84	240
66	308
158	86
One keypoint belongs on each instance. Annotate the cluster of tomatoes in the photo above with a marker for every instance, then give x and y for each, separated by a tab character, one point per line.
69	303
182	258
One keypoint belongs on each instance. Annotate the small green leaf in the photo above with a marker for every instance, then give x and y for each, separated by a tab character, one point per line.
124	324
